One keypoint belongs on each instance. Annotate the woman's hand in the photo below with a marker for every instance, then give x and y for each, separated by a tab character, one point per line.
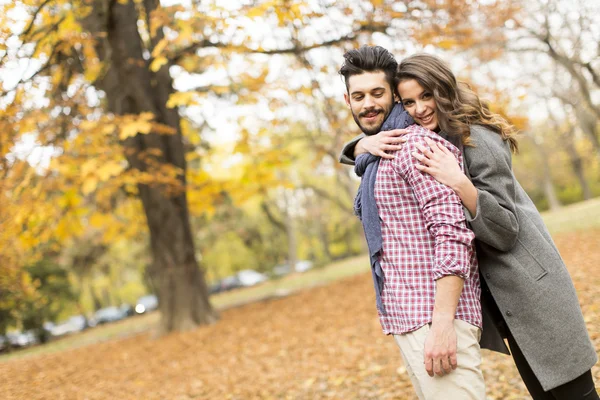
382	144
439	162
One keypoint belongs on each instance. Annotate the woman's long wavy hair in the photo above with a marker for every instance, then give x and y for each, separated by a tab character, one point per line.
457	104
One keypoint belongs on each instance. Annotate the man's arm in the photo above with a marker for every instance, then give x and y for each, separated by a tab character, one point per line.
382	144
443	214
440	345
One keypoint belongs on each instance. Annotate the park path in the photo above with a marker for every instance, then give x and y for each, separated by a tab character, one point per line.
320	343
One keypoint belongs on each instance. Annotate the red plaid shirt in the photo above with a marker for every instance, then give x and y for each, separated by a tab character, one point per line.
425	237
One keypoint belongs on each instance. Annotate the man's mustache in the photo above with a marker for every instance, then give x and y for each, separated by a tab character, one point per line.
365	113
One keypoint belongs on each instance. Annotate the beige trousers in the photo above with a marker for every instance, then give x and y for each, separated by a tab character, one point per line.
464	383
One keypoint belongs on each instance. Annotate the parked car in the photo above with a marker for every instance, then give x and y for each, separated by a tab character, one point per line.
249	277
108	314
281	270
21	339
230	282
284	269
127	310
146	304
75	324
214	287
303	265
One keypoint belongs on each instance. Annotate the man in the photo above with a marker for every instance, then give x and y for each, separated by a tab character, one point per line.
423	258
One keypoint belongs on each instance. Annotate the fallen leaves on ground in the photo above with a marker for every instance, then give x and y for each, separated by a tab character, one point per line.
321	343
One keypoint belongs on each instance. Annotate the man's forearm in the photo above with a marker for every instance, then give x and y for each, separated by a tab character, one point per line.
359	149
447	294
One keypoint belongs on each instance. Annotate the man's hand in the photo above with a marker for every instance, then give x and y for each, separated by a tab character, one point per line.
440	348
381	144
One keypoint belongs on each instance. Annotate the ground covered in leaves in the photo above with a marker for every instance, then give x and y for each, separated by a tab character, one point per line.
321	343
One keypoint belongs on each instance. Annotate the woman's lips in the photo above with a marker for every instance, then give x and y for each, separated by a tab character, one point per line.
427	119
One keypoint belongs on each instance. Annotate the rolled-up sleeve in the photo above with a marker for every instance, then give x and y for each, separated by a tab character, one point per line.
443	212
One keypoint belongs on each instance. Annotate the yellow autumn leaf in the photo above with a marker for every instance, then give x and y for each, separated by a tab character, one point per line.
97	220
180	99
87	125
160	46
108	170
89	185
255	12
92	71
133	127
89	166
447	44
157	63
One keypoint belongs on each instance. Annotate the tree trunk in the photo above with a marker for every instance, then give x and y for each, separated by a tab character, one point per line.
576	162
589	125
547	185
131	88
95	298
290	228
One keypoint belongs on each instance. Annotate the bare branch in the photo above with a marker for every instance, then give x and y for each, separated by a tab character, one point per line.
295	49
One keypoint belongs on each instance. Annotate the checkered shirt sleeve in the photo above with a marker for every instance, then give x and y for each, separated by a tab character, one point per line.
442	210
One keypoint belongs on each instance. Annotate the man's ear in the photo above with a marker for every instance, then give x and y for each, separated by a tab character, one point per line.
396	98
347	99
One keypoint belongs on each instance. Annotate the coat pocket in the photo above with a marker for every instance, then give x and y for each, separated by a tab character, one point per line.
529	261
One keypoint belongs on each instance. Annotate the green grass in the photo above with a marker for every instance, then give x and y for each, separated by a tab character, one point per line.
579	216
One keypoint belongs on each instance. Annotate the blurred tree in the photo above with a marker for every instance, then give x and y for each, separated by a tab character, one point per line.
55	291
564	31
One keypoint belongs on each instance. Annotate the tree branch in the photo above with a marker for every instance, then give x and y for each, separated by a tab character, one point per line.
274	220
296	49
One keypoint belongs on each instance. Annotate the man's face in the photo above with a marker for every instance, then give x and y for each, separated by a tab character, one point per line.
371	100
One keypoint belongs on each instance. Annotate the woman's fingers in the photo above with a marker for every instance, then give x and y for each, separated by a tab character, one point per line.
425	150
420	157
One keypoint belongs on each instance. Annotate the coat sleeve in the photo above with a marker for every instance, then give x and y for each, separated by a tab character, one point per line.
347	155
490	167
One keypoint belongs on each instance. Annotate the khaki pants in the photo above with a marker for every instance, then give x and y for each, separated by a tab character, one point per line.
463	383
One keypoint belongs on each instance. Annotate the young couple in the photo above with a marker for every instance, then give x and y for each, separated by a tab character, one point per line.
460	256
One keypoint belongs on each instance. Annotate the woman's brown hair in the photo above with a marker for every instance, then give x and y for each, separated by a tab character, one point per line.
458	105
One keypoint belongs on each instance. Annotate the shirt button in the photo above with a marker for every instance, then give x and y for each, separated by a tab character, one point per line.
509	313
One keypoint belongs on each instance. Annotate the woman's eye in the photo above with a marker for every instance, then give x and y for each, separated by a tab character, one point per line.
426	95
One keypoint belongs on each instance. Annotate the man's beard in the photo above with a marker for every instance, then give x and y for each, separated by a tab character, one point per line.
374	130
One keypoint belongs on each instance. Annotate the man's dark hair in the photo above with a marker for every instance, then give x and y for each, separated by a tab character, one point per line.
369	59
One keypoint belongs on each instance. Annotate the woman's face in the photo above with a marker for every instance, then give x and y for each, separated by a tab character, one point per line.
419	103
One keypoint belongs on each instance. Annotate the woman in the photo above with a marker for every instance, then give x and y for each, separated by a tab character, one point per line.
528	296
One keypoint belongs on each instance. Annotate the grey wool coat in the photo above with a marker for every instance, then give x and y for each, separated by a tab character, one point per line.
521	266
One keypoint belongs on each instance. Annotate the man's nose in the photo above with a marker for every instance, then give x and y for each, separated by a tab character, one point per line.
369	103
